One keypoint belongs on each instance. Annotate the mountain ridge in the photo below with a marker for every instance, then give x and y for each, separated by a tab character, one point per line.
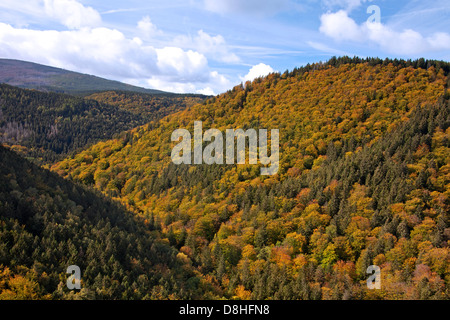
363	181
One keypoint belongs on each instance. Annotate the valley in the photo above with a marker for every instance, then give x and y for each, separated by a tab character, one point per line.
363	179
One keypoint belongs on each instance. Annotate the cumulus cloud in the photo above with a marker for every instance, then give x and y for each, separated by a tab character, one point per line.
85	46
184	65
71	13
259	70
147	28
215	84
109	53
102	51
214	47
341	27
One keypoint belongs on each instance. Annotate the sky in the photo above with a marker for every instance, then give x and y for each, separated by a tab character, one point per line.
209	46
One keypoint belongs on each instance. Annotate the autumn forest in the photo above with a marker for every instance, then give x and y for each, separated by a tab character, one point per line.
364	179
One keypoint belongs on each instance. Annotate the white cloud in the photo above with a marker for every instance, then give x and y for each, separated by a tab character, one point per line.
215	84
215	47
71	13
440	40
100	51
220	82
206	91
184	65
109	53
160	83
260	70
85	46
147	28
341	27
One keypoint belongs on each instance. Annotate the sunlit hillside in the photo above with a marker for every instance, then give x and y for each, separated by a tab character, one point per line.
364	180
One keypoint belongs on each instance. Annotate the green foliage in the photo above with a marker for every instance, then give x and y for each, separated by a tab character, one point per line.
48	223
152	107
51	126
363	179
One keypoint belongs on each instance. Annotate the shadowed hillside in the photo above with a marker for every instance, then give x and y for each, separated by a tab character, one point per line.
48	223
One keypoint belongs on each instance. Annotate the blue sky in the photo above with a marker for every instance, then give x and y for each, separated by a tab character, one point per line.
208	46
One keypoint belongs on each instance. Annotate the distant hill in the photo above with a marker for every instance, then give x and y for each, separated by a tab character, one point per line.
51	125
30	75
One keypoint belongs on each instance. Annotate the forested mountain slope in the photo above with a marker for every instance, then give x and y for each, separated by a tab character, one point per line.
150	106
364	179
49	126
48	223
